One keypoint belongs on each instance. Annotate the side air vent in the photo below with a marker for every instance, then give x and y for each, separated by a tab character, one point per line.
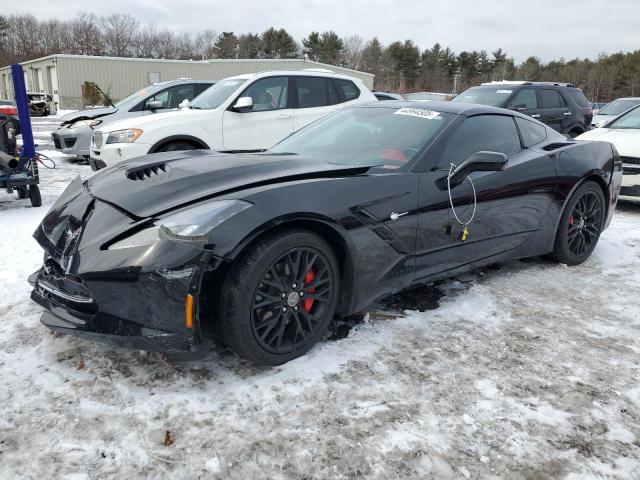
146	171
555	146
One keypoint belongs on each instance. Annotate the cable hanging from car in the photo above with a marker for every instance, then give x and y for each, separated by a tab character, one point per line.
465	230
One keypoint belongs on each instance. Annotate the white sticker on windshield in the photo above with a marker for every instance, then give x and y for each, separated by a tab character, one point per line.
507	92
417	112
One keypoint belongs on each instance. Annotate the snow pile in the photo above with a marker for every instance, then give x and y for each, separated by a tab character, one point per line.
527	370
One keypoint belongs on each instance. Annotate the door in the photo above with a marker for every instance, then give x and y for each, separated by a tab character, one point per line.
553	108
524	101
511	204
53	81
269	121
315	98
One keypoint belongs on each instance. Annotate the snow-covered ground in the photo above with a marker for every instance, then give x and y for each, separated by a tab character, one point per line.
526	370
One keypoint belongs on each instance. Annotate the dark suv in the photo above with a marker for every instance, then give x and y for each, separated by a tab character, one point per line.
562	106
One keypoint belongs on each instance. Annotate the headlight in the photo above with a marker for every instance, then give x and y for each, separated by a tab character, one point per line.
124	136
189	226
89	123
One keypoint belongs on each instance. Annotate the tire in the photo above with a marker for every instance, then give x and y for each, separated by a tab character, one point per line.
264	312
34	196
580	225
22	193
175	146
574	133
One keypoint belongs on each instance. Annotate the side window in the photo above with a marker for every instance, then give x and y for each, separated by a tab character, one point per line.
532	132
158	97
268	94
200	87
525	98
316	92
494	133
552	99
348	89
179	93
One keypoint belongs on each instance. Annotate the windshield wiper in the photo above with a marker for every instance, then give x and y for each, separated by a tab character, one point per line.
194	107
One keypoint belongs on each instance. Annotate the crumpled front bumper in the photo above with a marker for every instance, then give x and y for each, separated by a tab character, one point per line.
132	297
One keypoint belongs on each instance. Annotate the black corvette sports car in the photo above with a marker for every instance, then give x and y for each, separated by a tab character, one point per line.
265	249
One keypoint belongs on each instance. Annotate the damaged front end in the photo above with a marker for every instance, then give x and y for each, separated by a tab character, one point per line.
143	296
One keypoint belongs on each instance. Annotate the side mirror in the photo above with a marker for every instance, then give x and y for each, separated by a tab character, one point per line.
243	104
478	162
154	105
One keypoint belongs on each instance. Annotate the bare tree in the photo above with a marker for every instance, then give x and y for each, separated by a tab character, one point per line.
86	34
352	50
119	30
166	44
204	44
145	42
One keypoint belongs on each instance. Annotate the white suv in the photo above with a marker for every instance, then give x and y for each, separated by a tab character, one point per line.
244	113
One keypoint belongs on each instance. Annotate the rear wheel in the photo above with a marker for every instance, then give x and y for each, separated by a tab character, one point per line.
580	225
175	146
279	297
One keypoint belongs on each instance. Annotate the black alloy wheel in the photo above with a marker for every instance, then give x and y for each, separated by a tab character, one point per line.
279	297
580	226
291	300
585	222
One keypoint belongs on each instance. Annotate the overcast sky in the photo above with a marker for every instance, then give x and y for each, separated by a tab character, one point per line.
548	29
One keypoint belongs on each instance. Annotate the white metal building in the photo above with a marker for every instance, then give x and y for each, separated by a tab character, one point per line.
64	75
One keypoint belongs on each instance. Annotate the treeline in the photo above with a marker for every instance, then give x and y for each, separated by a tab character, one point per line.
399	66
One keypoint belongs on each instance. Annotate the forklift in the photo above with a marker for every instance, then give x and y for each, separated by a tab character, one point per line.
19	166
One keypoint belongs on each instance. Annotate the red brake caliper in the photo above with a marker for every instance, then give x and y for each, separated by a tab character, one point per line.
571	220
307	303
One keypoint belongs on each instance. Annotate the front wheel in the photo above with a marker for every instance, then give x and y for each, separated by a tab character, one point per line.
580	226
34	196
279	297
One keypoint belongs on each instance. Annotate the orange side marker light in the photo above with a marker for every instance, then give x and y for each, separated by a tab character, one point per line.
188	311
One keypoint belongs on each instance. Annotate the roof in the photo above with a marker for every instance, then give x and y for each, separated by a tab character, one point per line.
312	64
521	82
457	108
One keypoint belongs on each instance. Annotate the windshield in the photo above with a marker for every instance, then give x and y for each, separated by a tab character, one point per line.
367	136
618	107
628	120
495	97
213	96
137	95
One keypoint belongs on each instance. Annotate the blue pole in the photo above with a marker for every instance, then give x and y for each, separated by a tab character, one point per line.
28	146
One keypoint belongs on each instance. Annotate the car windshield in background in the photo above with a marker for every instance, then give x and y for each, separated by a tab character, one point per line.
213	96
618	107
494	97
367	136
138	94
629	120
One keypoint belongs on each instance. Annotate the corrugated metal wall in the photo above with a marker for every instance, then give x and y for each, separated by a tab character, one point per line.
121	76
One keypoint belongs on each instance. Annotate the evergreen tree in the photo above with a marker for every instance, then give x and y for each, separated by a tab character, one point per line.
226	46
278	44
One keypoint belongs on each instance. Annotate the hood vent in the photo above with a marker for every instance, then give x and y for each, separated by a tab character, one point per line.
146	171
555	146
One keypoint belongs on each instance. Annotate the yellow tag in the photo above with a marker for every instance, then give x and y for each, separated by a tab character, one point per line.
465	234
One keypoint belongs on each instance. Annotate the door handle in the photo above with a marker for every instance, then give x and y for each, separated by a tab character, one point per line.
567	114
283	116
535	115
395	216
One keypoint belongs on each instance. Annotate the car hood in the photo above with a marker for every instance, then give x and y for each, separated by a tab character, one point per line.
626	141
601	118
154	184
87	114
140	122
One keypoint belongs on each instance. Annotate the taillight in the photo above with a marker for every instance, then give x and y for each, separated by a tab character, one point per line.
590	112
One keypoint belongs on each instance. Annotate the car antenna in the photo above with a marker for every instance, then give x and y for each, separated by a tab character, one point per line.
465	230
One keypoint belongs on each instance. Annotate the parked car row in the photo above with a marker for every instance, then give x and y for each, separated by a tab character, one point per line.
248	112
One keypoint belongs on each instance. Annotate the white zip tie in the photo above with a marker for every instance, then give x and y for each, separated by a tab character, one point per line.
464	225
